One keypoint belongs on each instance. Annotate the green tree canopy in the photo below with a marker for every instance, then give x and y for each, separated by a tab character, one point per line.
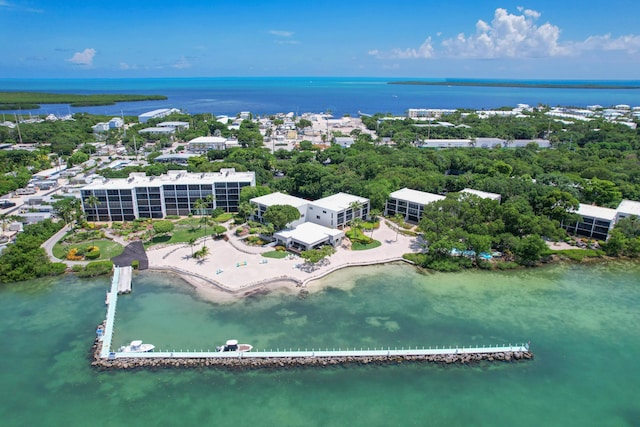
281	215
163	226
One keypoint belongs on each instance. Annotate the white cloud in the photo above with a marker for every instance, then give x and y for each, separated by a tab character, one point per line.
126	66
513	36
281	33
182	63
629	44
508	36
424	51
283	37
84	58
17	8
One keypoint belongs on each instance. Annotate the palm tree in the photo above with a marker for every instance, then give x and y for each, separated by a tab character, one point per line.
356	206
92	200
202	252
200	207
3	219
399	218
209	199
374	214
247	210
192	243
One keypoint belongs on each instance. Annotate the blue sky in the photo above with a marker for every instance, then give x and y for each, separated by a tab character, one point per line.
559	39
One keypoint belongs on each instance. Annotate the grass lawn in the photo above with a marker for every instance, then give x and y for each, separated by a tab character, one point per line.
184	230
578	254
356	246
108	248
223	217
275	254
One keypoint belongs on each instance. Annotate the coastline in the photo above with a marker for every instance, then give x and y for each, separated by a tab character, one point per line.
515	84
232	271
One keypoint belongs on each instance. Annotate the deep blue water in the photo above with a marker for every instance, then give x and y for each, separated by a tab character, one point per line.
341	95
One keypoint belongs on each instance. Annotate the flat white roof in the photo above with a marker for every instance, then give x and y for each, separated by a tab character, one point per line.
208	139
629	207
279	199
173	177
157	130
155	112
339	201
173	124
309	233
483	194
597	212
416	196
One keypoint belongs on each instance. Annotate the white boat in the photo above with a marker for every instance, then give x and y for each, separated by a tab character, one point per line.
136	347
232	345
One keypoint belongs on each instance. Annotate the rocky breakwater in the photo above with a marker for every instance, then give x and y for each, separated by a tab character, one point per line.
249	363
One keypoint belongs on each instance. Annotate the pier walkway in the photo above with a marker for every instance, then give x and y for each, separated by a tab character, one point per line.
111	313
121	275
326	353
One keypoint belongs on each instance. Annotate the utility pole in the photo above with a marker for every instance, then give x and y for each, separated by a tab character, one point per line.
135	148
18	126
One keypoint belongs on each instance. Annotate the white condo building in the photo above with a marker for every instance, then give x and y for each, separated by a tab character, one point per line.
320	221
174	193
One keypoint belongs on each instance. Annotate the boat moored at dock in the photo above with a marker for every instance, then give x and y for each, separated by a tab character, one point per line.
137	346
232	345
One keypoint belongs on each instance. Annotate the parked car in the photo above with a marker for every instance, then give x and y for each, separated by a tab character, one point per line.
4	204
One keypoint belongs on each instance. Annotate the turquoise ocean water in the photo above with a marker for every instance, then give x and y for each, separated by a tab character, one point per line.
583	323
340	95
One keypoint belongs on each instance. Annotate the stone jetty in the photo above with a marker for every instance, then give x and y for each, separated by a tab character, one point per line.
248	362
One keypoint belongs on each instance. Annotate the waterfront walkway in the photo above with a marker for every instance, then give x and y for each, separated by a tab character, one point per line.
236	268
123	275
326	353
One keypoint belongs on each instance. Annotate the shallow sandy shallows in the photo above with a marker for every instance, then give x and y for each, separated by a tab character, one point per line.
233	270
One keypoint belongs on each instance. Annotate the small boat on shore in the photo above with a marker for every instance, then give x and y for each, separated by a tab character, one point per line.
136	347
232	345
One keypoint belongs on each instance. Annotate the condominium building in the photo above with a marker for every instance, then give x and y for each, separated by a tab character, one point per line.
202	144
320	221
334	211
409	203
174	193
596	222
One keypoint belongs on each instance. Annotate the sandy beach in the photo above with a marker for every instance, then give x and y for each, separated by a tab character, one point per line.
233	269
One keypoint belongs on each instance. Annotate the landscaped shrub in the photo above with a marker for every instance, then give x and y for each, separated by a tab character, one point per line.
135	264
356	235
72	255
77	268
254	240
96	268
172	217
93	252
506	265
58	268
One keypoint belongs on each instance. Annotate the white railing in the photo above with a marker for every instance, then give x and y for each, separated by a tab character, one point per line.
327	353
